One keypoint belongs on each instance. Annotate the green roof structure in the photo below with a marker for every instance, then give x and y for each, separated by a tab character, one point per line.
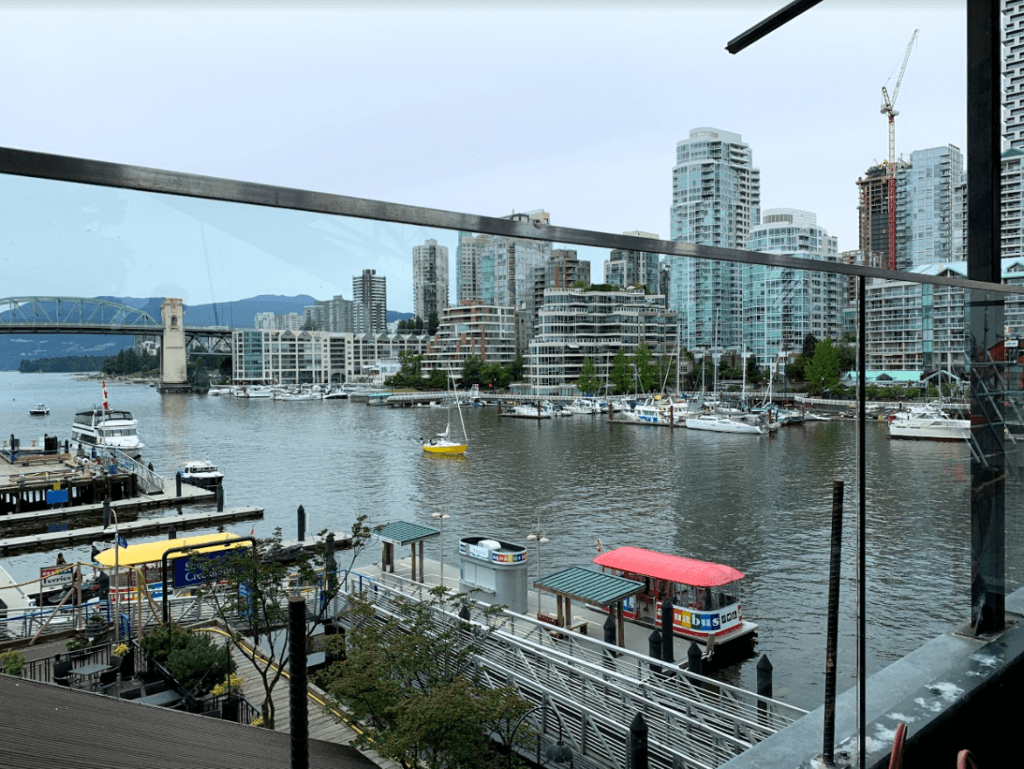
594	587
406	533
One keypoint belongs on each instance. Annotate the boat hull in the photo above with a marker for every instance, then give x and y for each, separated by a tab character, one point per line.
454	448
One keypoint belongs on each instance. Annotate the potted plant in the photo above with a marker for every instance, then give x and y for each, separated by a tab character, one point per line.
76	642
13	662
124	651
231	688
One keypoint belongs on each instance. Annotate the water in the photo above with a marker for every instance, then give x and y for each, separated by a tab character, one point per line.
759	504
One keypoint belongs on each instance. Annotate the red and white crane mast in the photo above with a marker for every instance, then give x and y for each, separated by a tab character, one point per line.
889	110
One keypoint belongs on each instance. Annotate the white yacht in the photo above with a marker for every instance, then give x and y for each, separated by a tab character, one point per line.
720	424
202	473
928	423
114	428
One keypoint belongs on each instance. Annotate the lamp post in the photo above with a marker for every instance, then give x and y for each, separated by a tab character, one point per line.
537	535
560	754
441	517
117	571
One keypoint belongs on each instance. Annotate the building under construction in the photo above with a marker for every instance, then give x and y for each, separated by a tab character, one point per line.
873	210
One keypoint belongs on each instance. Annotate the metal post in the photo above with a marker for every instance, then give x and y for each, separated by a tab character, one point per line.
667	631
988	475
862	517
694	659
654	649
441	518
301	515
638	748
835	563
764	686
177	484
298	695
537	535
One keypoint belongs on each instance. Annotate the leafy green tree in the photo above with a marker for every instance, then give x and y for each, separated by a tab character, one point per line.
622	373
409	679
754	374
588	381
847	357
822	372
646	369
432	323
438	380
810	342
200	664
471	372
517	369
410	374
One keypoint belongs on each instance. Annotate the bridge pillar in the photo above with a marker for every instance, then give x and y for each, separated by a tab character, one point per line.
173	373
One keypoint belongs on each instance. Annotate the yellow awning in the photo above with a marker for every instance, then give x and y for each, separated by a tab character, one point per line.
150	552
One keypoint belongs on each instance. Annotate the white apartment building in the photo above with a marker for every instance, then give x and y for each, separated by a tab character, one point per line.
472	330
370	298
291	321
429	279
575	324
716	200
781	306
1013	72
275	356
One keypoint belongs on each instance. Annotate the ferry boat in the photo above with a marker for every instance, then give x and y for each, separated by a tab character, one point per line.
112	428
202	473
705	597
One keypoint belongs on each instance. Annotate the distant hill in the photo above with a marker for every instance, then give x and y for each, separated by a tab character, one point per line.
237	314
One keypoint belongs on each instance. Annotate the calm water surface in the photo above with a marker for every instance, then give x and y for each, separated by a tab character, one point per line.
759	504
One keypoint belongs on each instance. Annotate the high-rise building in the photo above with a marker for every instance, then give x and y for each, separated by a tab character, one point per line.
781	306
633	268
370	298
925	194
429	279
873	209
330	315
500	271
1011	203
716	199
1013	72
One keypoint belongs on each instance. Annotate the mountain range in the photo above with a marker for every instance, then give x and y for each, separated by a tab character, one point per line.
237	314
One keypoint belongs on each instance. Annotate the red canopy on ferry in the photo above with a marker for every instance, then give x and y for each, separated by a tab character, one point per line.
673	568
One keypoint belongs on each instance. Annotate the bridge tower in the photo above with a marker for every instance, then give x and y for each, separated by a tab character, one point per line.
173	371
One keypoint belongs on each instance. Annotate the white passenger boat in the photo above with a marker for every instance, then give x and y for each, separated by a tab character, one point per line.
531	410
928	423
202	473
39	410
113	428
719	424
583	406
705	596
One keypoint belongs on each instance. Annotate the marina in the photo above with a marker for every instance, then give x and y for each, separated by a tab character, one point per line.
759	504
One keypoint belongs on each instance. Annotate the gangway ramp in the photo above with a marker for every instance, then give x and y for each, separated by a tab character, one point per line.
594	690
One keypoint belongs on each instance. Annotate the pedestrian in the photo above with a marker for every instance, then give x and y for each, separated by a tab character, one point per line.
60	559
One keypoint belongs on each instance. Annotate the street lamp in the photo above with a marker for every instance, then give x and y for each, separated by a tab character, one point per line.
559	754
537	535
442	517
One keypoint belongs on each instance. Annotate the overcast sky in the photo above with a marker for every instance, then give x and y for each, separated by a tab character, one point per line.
575	108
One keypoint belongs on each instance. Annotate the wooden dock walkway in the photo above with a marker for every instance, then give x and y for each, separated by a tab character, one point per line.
322	724
58	539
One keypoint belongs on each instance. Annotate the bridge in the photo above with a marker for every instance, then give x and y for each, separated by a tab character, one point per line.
81	315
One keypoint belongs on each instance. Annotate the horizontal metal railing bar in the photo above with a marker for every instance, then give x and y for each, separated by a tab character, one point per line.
106	174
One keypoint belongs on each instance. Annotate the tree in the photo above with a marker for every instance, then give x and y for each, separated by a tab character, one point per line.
646	369
822	372
588	381
809	344
433	323
622	373
471	371
409	680
249	588
753	371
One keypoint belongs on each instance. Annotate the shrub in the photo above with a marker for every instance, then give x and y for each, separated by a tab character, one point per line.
159	644
13	662
199	665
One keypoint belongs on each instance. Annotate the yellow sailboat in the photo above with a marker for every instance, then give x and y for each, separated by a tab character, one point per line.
442	443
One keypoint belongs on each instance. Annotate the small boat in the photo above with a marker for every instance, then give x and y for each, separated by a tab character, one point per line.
39	410
531	411
300	396
719	424
705	597
202	473
254	391
442	443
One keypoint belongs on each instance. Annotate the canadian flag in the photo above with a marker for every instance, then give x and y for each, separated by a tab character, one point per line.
599	544
105	405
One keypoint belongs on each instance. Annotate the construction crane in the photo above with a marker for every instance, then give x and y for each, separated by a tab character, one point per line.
889	110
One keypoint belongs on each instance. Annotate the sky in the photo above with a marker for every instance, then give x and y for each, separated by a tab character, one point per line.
483	108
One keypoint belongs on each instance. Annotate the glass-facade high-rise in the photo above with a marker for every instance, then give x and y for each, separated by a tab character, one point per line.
925	202
781	306
716	199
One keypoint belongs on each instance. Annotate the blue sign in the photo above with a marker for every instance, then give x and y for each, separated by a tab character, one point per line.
185	571
244	592
56	497
126	626
121	541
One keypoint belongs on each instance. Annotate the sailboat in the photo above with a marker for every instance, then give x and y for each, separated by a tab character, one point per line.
442	443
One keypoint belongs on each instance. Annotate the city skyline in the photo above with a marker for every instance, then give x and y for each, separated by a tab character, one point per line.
596	148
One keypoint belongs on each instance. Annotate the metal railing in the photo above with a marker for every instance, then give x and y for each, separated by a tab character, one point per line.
149	481
595	689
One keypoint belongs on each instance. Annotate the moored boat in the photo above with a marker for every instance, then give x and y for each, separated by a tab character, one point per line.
112	428
202	473
705	597
720	424
928	423
442	443
39	410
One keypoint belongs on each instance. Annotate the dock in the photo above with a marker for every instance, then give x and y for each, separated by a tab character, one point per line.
56	539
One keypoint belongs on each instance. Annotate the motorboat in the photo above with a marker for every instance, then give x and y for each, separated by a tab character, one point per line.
110	428
583	406
705	597
306	395
928	423
720	424
254	391
532	411
202	473
39	410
